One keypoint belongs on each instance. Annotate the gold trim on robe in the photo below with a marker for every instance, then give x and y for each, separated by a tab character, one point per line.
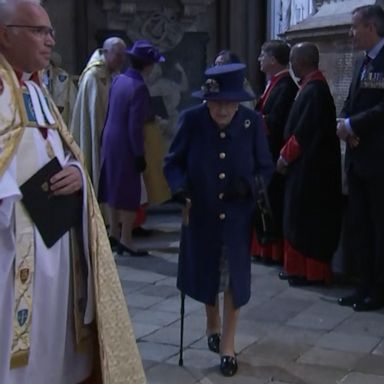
119	359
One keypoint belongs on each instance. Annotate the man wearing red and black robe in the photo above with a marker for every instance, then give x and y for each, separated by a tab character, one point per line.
275	104
310	159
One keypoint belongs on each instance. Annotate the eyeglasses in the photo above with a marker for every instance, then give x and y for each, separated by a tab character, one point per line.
39	30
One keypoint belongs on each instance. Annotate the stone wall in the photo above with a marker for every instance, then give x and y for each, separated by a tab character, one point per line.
76	23
336	62
329	29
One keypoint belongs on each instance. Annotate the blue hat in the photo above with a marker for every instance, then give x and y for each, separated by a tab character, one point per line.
224	82
145	51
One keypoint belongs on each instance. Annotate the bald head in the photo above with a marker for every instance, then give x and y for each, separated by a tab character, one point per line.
8	8
114	53
111	42
304	58
26	35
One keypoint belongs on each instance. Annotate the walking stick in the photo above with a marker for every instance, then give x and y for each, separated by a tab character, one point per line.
182	307
182	304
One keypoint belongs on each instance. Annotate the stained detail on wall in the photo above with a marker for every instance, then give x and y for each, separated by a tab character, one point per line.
163	29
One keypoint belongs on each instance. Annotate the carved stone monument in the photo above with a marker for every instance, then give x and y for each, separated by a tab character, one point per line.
179	29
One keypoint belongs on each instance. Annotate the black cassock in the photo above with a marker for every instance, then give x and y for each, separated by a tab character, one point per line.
312	216
275	111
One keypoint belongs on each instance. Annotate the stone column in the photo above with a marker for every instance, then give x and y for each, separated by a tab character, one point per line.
242	29
81	33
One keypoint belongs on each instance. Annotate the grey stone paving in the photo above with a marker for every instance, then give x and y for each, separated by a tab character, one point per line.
285	335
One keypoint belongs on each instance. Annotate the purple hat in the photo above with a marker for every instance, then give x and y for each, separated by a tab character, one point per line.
224	82
145	51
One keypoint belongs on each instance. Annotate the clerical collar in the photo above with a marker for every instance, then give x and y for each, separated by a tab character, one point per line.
314	75
279	74
25	76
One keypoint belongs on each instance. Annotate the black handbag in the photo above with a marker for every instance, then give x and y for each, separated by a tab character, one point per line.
263	220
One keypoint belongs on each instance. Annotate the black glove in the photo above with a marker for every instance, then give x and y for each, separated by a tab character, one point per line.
237	190
140	164
180	197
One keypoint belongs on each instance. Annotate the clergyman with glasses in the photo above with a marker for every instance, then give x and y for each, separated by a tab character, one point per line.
55	289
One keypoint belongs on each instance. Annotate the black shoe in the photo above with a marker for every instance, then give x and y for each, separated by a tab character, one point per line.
299	281
368	304
256	258
267	261
228	365
349	301
141	232
286	276
135	253
113	242
214	342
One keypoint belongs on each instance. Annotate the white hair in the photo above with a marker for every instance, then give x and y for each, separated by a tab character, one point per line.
8	7
111	42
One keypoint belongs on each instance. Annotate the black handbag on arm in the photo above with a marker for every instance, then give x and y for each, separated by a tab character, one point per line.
263	221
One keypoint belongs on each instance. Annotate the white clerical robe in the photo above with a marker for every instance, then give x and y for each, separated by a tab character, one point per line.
52	358
89	112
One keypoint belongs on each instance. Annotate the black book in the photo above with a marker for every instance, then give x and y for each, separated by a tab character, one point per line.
52	215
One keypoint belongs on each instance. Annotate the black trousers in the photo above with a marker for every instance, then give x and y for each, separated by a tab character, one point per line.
365	229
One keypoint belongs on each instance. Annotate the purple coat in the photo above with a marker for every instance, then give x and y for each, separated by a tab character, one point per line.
122	140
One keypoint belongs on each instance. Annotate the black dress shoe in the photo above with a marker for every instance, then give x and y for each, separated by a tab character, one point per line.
349	301
299	281
267	261
228	365
141	232
135	253
368	304
113	242
214	342
286	276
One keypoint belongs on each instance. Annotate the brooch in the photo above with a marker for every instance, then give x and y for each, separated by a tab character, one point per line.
210	86
247	123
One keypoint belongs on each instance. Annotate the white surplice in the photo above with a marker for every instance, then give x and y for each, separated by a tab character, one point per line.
52	359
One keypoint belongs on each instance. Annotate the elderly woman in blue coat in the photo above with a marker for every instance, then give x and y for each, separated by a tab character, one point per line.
211	167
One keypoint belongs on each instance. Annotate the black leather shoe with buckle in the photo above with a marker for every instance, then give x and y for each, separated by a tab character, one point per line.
228	365
214	342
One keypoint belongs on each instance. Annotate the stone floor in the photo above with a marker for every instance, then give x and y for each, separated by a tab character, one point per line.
285	335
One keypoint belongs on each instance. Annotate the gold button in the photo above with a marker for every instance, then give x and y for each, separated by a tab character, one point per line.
222	155
221	196
222	176
222	216
223	135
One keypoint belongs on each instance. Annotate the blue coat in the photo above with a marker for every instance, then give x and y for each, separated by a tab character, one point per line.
205	161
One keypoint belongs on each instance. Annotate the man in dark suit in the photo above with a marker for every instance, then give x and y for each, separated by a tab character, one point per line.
362	128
